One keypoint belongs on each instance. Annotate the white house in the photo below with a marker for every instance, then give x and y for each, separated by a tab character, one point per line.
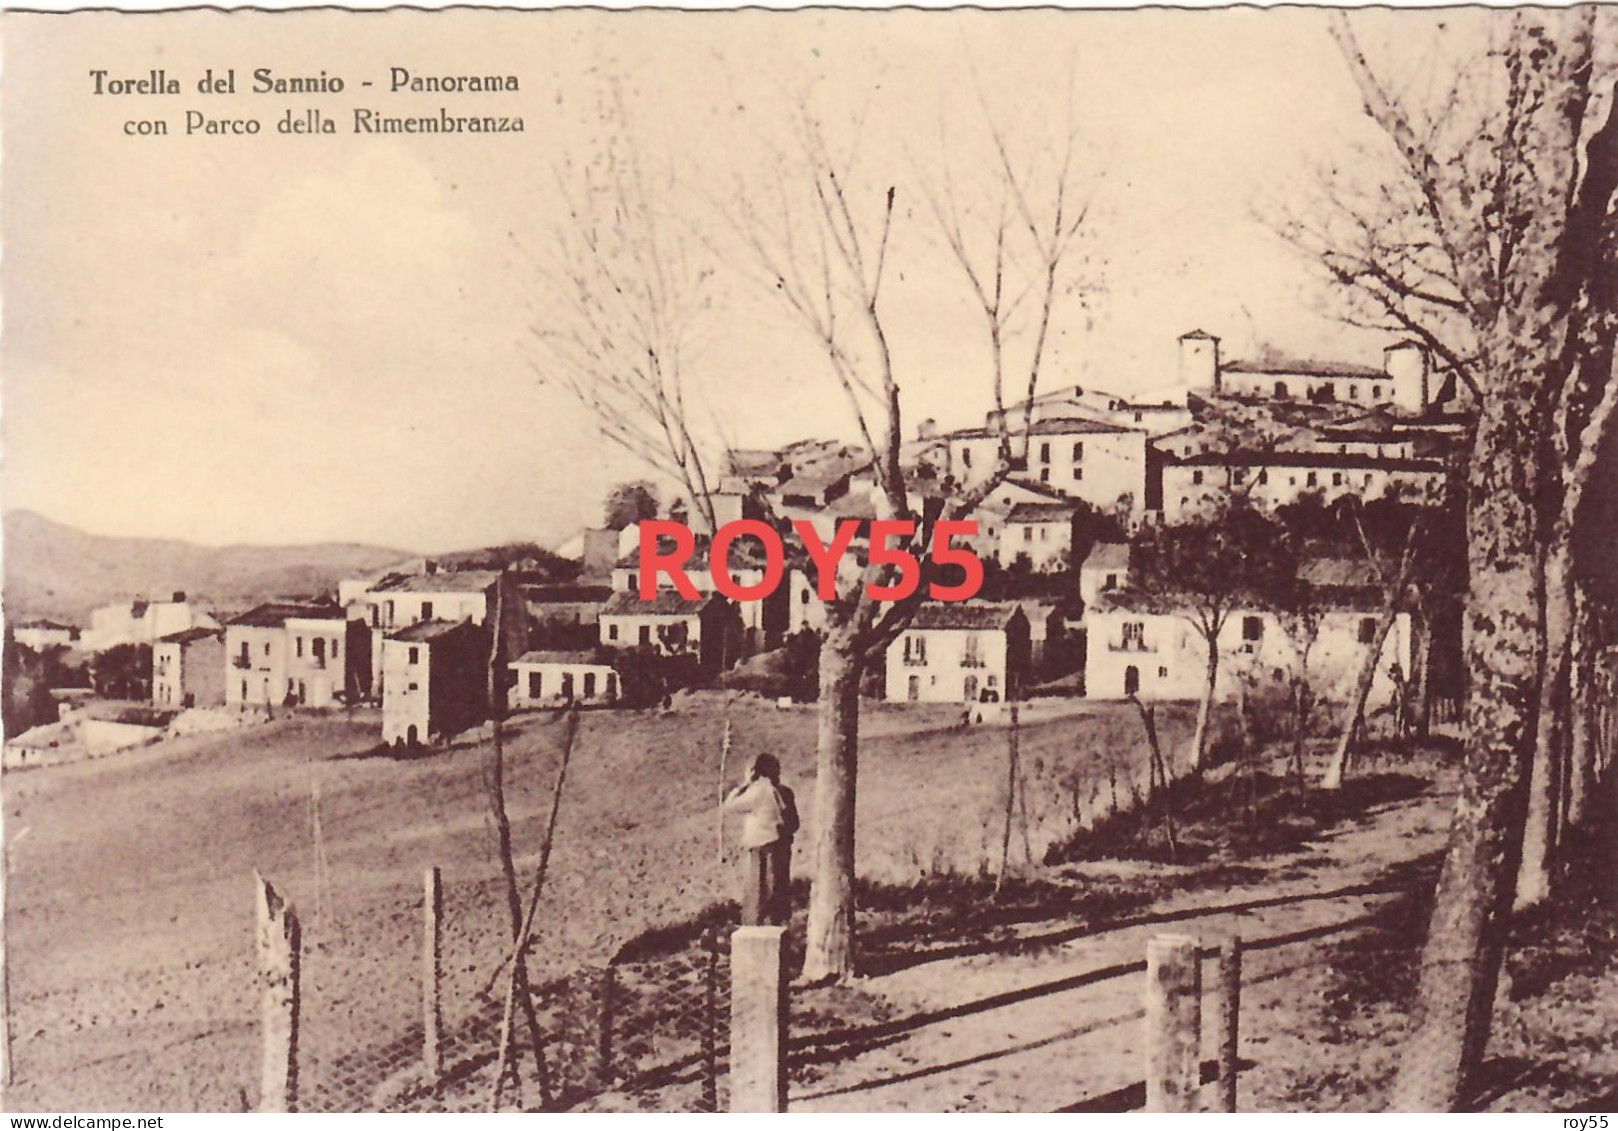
42	634
1105	569
270	655
964	652
1092	460
399	601
141	622
669	624
188	669
1040	533
434	680
550	678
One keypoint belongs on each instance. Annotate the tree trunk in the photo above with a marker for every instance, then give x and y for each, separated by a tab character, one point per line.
1422	687
1460	964
1362	693
1199	741
829	948
1540	833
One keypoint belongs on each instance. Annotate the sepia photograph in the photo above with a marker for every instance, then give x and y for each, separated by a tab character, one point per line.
816	561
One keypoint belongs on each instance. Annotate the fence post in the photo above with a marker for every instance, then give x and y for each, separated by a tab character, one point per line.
432	1017
758	1020
1230	1009
277	938
1173	1023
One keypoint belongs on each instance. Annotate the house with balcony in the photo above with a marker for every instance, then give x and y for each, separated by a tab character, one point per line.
960	652
188	669
271	657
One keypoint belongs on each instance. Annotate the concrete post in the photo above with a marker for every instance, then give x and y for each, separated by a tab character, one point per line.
1173	1024
432	1017
758	1020
1230	1008
277	938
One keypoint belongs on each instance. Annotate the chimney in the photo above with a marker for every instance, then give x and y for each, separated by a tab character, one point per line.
1406	364
1199	360
179	596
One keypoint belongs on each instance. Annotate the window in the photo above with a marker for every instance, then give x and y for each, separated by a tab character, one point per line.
244	691
916	651
645	634
1280	388
966	457
266	647
1078	475
1110	583
970	656
426	610
1353	392
299	642
1045	453
1252	628
1162	673
1196	478
1376	391
376	616
387	612
1044	533
1078	451
1028	534
1044	475
589	685
1337	479
415	655
1137	418
1367	629
1313	480
1131	679
1263	477
1367	478
413	687
1134	637
318	644
612	632
612	685
334	647
536	685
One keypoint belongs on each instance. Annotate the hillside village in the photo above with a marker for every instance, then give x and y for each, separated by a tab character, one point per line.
1064	609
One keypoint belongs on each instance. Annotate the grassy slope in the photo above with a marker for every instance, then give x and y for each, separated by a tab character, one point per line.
129	923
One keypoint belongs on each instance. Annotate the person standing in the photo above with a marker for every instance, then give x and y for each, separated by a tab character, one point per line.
769	819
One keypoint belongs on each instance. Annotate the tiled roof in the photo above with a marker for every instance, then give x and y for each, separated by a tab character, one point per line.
1281	367
1107	555
667	603
427	631
274	615
544	657
566	594
444	581
1058	427
962	614
190	635
1340	573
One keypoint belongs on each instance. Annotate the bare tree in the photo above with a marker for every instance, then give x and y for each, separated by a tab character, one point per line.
818	236
1485	240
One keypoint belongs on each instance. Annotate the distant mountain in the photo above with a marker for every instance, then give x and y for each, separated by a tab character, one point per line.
52	570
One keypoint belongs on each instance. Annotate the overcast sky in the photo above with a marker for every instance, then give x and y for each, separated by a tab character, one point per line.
288	339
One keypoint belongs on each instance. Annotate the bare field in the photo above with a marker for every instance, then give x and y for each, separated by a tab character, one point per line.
129	895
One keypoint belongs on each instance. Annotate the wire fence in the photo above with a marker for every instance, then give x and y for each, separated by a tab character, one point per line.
389	1021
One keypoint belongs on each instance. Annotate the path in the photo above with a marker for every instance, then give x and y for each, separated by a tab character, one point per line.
1061	1027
